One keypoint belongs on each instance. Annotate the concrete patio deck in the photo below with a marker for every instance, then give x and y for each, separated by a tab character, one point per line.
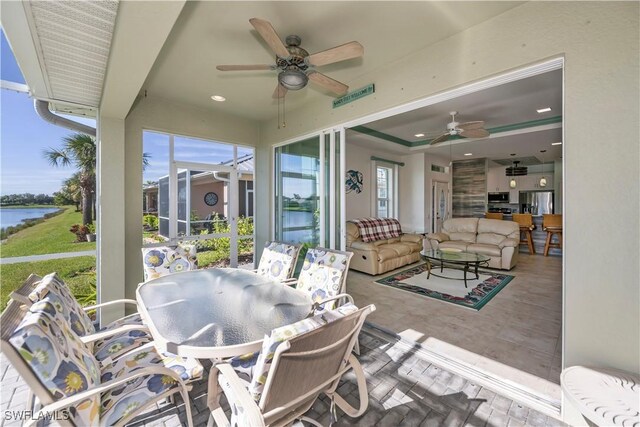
404	389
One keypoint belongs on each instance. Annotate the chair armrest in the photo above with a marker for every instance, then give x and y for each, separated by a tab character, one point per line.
513	243
237	395
413	238
362	391
111	332
316	305
359	244
440	237
108	303
79	397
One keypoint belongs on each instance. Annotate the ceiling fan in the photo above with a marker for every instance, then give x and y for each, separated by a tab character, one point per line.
294	64
465	130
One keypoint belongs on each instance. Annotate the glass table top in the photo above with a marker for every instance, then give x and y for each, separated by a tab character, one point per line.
216	308
454	256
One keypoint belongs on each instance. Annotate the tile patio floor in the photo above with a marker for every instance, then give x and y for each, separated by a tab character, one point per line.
404	390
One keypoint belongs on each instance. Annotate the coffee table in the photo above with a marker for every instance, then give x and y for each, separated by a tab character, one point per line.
466	259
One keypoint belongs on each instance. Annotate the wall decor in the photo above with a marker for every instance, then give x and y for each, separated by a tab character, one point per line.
354	181
211	198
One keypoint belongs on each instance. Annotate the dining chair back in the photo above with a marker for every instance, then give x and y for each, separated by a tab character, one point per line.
297	363
162	260
70	382
278	260
525	221
324	274
552	224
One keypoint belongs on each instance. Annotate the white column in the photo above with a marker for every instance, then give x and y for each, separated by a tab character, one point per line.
111	216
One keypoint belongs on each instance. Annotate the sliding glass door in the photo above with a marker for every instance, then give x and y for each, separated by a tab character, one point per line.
309	191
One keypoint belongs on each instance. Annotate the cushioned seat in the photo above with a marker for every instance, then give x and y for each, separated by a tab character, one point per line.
493	237
484	249
384	254
454	245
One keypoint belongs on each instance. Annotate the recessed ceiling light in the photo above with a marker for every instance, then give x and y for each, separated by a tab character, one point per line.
544	110
556	143
468	154
419	135
218	98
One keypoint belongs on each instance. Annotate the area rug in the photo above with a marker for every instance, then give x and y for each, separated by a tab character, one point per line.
478	293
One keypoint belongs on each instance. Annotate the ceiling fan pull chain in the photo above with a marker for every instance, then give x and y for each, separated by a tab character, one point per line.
284	111
278	112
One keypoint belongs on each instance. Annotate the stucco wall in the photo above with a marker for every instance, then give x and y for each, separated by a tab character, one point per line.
599	41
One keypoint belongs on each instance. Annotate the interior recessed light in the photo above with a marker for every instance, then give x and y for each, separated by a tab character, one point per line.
468	154
544	110
556	143
218	98
419	135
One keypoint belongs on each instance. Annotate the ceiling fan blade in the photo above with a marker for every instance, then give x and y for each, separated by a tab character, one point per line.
328	83
471	125
280	91
245	67
440	139
270	36
336	54
475	133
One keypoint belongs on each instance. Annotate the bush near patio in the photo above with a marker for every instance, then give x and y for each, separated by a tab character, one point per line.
213	252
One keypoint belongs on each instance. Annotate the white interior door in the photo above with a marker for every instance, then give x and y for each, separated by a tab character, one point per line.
439	204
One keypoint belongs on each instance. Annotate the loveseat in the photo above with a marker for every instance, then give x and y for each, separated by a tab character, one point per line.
384	254
495	238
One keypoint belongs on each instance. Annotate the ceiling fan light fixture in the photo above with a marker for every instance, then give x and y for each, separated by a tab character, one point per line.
293	78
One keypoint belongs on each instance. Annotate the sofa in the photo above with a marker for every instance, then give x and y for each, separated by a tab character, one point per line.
495	238
386	254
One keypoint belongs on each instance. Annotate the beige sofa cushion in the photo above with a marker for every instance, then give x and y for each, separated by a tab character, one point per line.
463	237
460	225
485	249
451	244
497	226
490	238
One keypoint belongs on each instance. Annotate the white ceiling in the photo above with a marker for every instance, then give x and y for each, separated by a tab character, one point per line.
212	33
508	104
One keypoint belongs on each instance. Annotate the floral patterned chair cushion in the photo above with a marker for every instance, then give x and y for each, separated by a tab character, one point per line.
323	274
278	260
277	336
164	260
118	402
60	361
53	287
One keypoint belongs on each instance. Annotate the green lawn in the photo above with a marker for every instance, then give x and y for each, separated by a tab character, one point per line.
78	273
49	237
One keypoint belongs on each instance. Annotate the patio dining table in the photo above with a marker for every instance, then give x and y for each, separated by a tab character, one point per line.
217	313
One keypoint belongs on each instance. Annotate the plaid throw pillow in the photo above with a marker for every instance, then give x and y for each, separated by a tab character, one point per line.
372	229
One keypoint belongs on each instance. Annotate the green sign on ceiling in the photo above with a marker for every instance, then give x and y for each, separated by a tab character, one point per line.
356	94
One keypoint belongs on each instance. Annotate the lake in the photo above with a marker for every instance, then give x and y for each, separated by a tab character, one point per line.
14	216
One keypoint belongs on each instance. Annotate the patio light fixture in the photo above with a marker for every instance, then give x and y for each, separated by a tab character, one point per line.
293	78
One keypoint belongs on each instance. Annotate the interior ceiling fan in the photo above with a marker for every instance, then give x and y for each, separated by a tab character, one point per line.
465	130
294	64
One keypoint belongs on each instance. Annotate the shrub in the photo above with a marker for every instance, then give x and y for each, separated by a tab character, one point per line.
223	244
80	231
150	222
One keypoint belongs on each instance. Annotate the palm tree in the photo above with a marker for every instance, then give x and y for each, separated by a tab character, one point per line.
79	150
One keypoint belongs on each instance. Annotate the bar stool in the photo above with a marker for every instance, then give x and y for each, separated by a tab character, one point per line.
526	227
493	215
552	224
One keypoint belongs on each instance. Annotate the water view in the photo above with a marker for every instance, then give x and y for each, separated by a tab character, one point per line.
14	216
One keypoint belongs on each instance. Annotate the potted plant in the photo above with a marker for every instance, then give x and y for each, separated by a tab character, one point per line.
91	232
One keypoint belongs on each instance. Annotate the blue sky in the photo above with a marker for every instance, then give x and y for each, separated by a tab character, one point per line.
24	136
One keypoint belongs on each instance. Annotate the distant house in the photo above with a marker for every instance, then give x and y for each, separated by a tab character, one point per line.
208	194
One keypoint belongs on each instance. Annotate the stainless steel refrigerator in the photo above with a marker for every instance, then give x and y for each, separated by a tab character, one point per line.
536	202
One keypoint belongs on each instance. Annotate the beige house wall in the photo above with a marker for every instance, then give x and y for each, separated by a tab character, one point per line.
198	190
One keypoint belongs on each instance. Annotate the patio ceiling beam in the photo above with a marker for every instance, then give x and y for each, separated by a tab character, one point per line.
140	33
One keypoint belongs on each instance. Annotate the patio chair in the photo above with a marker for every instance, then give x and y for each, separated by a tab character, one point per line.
64	375
297	363
51	294
278	261
163	260
324	275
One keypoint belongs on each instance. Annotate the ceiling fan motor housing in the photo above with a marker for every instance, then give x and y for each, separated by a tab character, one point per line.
293	76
